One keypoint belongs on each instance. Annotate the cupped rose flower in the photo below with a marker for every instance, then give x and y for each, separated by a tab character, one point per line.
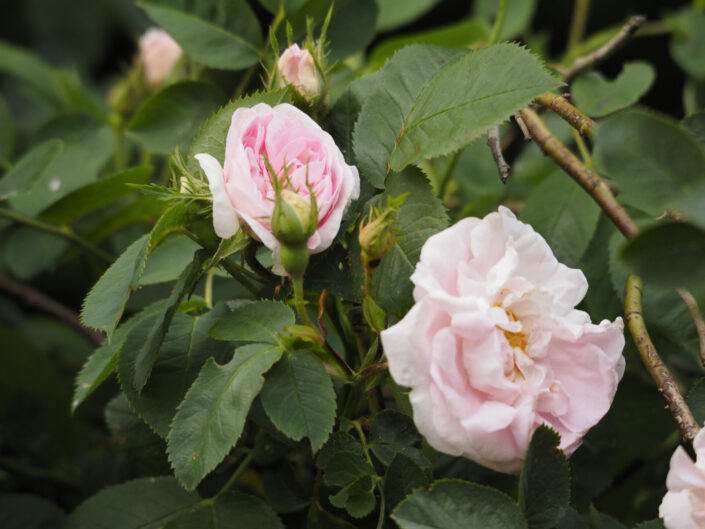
683	506
493	347
159	53
296	67
243	189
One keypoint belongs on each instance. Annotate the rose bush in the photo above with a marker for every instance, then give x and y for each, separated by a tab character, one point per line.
159	54
242	187
683	506
494	347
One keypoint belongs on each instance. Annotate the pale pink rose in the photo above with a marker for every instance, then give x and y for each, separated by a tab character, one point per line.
296	67
159	53
493	347
242	188
683	506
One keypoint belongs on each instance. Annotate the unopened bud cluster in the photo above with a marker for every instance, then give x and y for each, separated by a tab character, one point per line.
378	234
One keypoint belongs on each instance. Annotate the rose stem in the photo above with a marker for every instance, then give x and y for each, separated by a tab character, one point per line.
601	192
578	23
692	305
583	124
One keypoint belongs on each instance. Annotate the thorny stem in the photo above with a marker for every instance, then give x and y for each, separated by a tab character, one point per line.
582	123
586	61
578	23
601	192
60	230
496	148
657	369
588	180
236	475
48	305
498	22
698	320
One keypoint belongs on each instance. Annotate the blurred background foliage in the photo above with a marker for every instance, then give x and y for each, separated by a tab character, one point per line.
51	460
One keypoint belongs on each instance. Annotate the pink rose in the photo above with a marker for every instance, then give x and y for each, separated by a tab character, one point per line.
159	53
683	506
296	67
242	188
493	347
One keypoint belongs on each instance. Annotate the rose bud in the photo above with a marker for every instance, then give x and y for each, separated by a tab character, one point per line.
683	506
493	346
296	67
288	142
377	235
159	53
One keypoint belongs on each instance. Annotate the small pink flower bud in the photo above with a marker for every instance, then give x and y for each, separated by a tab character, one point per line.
158	53
296	67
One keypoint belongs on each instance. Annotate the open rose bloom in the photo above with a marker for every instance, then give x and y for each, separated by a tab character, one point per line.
683	506
242	187
159	54
494	347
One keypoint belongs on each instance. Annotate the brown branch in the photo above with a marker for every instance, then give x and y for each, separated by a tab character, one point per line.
35	298
522	126
698	320
657	369
496	148
586	61
588	180
601	192
582	123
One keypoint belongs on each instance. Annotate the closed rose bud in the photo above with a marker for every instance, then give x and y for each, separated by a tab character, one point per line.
378	235
293	218
296	67
159	54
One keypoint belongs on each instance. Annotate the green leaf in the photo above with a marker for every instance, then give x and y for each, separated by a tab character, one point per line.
256	321
392	432
572	520
460	35
105	303
319	519
29	169
652	524
395	13
383	115
88	144
28	251
7	132
345	467
695	125
132	436
150	350
26	511
233	509
211	137
290	6
403	476
649	158
455	504
299	399
352	27
421	215
95	196
210	420
669	255
102	363
168	260
224	35
35	72
516	21
146	503
172	117
467	98
696	400
185	349
544	484
569	224
597	97
688	41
